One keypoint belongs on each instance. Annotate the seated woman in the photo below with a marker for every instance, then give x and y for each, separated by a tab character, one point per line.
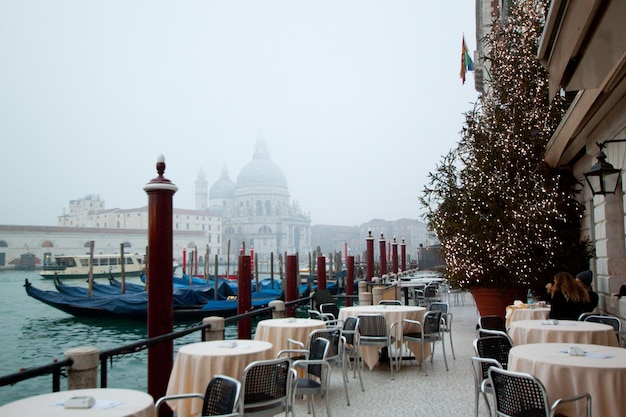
568	298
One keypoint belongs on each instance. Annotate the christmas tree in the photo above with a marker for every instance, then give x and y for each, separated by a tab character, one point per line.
504	217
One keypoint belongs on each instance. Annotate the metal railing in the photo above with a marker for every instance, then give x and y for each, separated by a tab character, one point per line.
58	368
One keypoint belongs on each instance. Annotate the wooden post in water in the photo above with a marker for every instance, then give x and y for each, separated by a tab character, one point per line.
349	279
206	264
216	279
160	312
123	268
90	276
272	269
369	245
244	297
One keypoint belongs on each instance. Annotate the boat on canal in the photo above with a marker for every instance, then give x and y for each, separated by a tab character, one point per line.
103	266
191	303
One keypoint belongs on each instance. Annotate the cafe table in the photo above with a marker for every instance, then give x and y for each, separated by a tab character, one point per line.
392	313
514	313
197	363
563	331
109	402
278	331
601	372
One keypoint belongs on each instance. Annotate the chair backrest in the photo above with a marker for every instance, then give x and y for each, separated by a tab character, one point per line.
610	320
266	384
439	306
432	322
330	308
222	396
314	314
518	394
390	302
499	333
332	335
318	350
350	326
372	325
493	347
492	323
430	291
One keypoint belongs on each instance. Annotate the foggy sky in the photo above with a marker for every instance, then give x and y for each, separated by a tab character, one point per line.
356	100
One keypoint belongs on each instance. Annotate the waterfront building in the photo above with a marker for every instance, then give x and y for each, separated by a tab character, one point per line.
257	210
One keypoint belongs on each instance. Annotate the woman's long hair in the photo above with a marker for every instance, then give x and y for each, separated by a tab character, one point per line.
571	289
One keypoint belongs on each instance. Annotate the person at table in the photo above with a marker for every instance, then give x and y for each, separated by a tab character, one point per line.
568	298
586	278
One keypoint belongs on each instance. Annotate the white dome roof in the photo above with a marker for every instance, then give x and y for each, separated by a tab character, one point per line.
261	170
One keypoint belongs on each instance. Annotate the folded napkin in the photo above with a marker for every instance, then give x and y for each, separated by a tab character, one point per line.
588	354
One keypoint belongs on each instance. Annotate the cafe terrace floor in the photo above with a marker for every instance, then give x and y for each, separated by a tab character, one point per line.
412	393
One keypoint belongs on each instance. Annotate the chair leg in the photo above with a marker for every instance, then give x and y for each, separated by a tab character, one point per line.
451	344
344	374
443	347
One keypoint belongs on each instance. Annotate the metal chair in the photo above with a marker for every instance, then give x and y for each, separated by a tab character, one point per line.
390	303
491	351
373	331
521	394
486	333
447	320
431	293
431	331
610	320
351	352
267	388
317	371
220	398
491	323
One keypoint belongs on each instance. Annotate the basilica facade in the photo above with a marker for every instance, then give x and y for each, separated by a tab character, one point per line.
256	211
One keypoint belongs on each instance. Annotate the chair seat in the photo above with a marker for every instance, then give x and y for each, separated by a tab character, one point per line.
418	336
307	384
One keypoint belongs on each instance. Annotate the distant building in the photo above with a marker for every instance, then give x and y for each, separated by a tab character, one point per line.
90	212
257	210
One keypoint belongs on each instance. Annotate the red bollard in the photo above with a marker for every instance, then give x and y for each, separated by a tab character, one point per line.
321	273
160	300
403	255
291	286
394	256
349	279
369	246
244	297
383	255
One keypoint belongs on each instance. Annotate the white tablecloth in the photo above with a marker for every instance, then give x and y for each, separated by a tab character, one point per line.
564	375
392	314
121	402
517	314
277	331
566	331
197	363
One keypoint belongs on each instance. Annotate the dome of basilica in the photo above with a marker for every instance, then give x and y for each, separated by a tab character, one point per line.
261	170
223	188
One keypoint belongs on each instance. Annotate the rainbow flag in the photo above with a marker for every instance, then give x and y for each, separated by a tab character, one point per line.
466	61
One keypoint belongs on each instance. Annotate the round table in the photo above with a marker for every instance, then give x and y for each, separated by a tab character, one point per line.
564	375
277	331
110	402
565	331
517	314
197	363
392	314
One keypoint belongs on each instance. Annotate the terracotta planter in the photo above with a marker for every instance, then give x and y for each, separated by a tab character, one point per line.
493	302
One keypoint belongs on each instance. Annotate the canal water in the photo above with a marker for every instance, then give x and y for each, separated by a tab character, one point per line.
34	334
